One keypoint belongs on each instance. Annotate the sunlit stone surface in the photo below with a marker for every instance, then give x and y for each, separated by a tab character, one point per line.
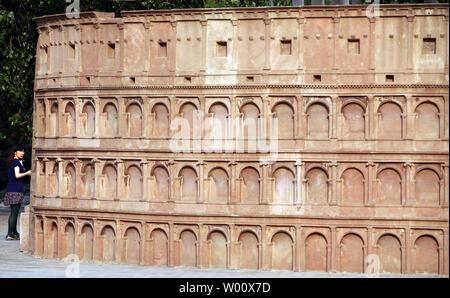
296	138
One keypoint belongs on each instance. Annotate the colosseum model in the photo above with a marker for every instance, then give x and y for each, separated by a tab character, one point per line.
309	138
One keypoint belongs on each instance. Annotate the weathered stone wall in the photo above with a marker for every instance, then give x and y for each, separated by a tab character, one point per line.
359	159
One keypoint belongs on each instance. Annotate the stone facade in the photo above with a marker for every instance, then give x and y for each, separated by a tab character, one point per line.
353	174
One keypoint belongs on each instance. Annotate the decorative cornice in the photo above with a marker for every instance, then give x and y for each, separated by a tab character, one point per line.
63	17
260	86
265	10
229	13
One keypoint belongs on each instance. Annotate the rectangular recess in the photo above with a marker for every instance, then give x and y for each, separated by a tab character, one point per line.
44	55
71	51
353	47
429	46
162	49
221	49
285	47
111	50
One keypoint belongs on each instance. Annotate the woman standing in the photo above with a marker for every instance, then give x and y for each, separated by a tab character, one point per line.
14	189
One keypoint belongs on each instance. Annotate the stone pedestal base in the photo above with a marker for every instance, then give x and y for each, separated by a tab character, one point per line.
25	230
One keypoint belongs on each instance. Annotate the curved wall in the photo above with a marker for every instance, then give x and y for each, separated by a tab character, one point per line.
358	165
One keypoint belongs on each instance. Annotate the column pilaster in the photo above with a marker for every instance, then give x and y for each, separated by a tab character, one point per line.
267	33
408	199
120	179
97	171
445	174
78	175
170	165
299	200
232	185
200	191
61	185
370	201
145	180
266	185
333	172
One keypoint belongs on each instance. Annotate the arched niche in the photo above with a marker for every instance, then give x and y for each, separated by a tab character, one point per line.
110	120
88	119
353	189
427	187
250	186
218	185
70	180
427	121
353	124
135	183
218	250
107	244
88	180
389	187
69	120
52	237
316	252
161	124
160	243
284	185
352	254
188	242
42	179
189	111
317	121
189	184
249	251
134	120
219	123
86	245
285	117
282	251
54	120
427	255
39	240
250	121
390	254
161	186
69	243
109	181
53	185
390	121
132	246
316	186
41	118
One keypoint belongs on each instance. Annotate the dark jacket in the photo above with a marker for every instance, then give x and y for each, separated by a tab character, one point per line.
14	184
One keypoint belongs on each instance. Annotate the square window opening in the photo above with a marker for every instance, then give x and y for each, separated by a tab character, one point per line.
286	47
162	50
353	47
71	51
429	46
221	49
389	78
111	50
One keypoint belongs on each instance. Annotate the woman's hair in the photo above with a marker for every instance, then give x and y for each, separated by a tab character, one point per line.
11	155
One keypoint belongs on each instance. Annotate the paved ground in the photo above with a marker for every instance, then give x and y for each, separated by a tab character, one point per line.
14	264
